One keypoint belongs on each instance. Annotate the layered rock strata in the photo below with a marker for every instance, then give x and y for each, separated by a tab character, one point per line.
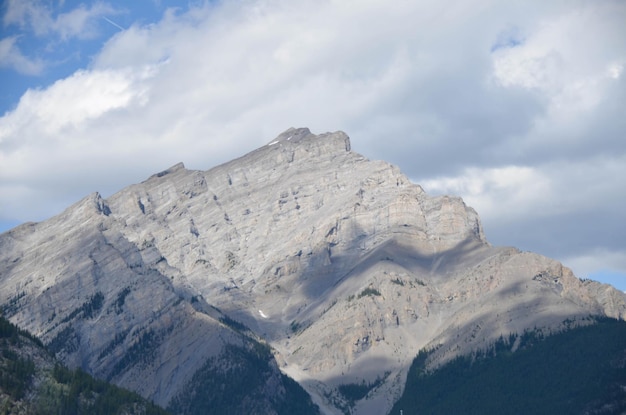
340	263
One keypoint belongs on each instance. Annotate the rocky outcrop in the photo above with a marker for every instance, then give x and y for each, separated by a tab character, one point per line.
341	264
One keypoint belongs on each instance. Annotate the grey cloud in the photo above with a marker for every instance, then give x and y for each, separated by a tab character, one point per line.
453	121
561	236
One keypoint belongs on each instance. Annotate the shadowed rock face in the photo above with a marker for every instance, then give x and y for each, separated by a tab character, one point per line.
341	263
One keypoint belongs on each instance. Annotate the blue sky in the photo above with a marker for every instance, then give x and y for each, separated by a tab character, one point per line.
517	106
47	50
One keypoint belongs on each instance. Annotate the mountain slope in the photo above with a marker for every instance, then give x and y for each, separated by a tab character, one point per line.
33	382
579	370
341	264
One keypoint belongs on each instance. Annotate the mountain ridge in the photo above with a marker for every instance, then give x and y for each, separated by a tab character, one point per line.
341	264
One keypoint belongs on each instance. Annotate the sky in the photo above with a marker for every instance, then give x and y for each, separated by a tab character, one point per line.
519	107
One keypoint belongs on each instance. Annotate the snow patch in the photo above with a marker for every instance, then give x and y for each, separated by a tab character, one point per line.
262	314
273	142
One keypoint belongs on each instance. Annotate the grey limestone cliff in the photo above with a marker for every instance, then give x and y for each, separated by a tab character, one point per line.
340	263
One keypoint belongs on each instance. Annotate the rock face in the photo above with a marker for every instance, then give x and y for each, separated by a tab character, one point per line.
341	264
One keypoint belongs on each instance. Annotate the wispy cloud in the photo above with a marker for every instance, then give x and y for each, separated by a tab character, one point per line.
31	15
81	22
11	57
40	18
29	19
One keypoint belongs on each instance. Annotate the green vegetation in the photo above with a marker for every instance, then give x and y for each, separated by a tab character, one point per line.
75	392
10	308
58	390
142	351
575	371
295	326
9	332
354	392
369	291
242	380
15	371
121	299
15	374
91	307
88	309
234	324
119	338
67	339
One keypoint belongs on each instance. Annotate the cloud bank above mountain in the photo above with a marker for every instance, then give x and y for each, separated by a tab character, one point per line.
517	107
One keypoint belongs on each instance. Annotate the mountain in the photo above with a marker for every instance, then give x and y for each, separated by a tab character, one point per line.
579	370
302	259
33	382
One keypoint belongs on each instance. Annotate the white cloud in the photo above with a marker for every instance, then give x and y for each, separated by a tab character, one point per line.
563	61
73	102
571	62
28	15
512	193
80	22
72	126
12	57
41	19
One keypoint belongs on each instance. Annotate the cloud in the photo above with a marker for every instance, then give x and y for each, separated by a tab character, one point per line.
556	57
575	73
80	22
28	15
69	104
512	105
72	126
550	189
37	33
601	264
615	70
569	210
39	18
509	192
12	57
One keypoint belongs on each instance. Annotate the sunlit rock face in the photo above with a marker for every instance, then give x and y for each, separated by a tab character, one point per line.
341	264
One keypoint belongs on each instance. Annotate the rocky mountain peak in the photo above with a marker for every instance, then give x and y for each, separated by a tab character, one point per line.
295	134
340	263
176	167
302	137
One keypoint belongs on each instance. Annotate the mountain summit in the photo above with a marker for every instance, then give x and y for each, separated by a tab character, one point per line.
339	265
